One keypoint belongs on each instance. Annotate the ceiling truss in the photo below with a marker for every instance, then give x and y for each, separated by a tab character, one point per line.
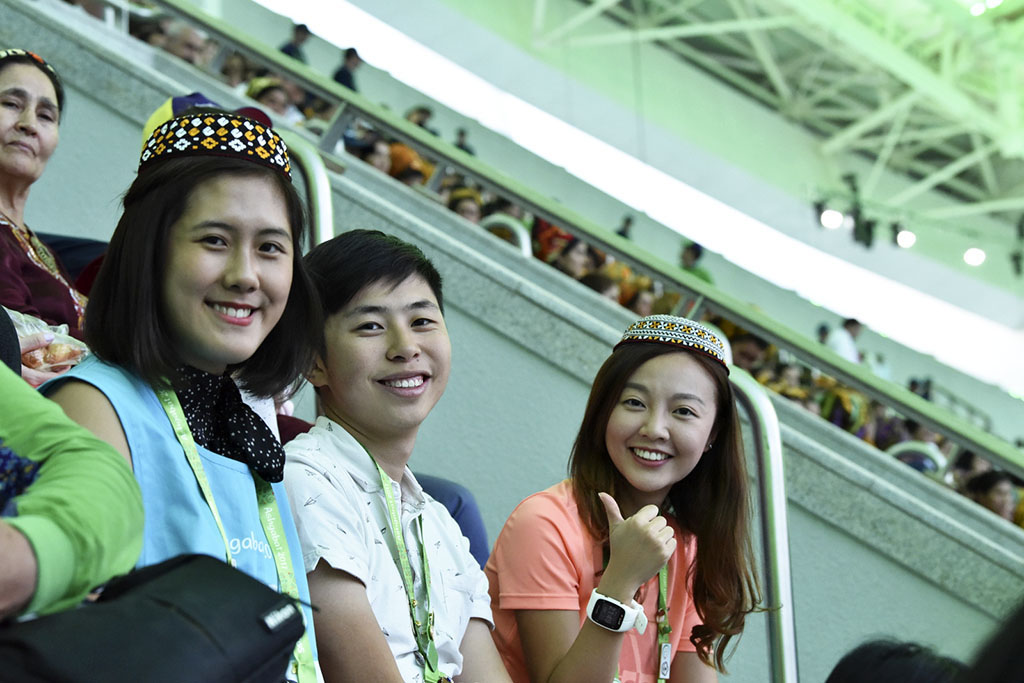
919	87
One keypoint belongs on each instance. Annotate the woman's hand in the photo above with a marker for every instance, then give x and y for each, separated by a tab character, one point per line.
33	342
640	546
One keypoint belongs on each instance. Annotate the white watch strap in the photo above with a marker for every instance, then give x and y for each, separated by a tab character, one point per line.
634	613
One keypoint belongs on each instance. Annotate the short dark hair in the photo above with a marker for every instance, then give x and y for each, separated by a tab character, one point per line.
51	73
124	322
890	661
351	52
301	28
850	322
343	266
980	484
710	504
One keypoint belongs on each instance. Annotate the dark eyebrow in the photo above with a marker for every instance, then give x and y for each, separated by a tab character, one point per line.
227	227
682	396
370	309
25	95
421	304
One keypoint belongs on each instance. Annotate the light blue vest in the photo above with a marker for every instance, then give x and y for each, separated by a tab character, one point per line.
178	520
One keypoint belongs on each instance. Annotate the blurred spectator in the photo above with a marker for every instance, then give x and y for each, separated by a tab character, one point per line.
270	92
378	155
236	70
421	115
748	351
460	141
465	201
186	42
293	48
822	331
692	253
602	284
641	303
573	259
921	387
843	340
410	176
890	661
406	164
966	466
502	205
148	29
921	451
346	73
626	227
993	490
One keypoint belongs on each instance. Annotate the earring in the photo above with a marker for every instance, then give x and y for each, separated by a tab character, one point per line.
708	447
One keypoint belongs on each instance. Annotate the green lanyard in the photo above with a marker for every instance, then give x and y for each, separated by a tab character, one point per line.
664	629
270	519
423	625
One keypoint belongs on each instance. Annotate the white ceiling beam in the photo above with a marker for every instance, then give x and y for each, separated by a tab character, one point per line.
872	46
578	19
764	54
540	8
673	10
943	174
988	175
882	160
841	139
991	206
739	80
918	134
712	28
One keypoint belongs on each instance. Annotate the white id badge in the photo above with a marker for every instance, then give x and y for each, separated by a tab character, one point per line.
665	665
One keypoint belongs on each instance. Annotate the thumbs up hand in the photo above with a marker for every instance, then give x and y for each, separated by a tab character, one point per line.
640	546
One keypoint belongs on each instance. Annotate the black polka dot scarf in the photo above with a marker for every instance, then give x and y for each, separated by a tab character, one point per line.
221	422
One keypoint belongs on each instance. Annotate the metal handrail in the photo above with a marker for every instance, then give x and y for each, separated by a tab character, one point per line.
778	588
353	105
311	165
500	220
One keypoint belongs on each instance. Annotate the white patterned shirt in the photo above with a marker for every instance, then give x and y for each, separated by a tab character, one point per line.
341	514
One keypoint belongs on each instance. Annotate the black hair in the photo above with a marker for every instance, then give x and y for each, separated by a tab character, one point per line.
351	52
981	484
46	68
599	282
890	661
343	266
747	336
125	323
850	322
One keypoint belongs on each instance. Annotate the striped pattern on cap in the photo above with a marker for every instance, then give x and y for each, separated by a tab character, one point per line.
676	331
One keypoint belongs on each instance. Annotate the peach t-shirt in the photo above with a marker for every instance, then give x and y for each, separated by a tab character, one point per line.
546	559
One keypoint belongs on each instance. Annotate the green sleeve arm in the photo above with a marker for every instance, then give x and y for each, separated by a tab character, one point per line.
82	514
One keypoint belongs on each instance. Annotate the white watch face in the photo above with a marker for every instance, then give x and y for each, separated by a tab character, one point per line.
608	614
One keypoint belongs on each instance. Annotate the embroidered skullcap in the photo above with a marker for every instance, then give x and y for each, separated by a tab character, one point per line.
217	133
676	331
47	68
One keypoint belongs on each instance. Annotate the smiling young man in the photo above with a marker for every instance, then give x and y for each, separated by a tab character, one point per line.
400	597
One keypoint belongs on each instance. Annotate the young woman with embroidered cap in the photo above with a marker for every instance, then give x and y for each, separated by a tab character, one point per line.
638	568
203	281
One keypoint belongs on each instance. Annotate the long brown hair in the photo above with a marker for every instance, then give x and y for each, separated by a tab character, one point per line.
711	503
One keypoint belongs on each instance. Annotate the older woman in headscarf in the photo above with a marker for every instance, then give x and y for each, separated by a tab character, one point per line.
32	280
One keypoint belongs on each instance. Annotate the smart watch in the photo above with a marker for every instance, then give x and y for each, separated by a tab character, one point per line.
611	614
